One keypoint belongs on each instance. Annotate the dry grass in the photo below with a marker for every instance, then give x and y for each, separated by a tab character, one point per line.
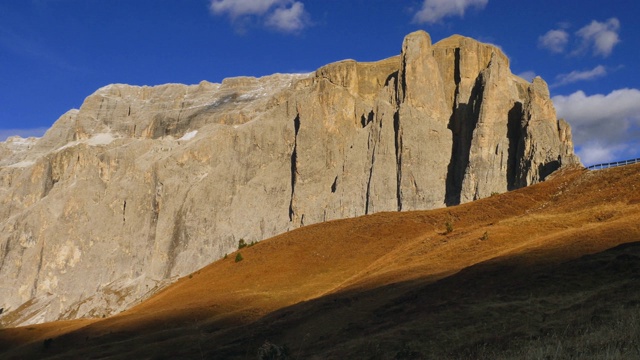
550	280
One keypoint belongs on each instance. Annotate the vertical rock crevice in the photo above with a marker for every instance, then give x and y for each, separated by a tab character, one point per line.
364	121
334	188
34	290
294	165
48	180
156	206
375	140
514	137
454	181
397	130
178	237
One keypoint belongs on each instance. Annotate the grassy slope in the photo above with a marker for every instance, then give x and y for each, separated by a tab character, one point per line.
548	278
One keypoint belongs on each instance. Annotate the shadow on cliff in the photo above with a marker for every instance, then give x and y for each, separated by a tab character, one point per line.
495	307
462	123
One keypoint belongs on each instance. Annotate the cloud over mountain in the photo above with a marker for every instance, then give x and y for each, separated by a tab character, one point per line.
554	40
286	16
433	11
607	127
598	37
575	76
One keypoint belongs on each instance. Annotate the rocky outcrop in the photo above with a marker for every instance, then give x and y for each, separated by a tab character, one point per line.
145	184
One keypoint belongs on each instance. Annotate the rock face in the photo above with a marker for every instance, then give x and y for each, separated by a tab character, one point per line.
145	184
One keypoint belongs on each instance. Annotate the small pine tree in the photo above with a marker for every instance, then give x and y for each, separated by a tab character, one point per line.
449	227
239	257
242	244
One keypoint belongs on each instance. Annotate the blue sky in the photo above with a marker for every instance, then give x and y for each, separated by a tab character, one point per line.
54	53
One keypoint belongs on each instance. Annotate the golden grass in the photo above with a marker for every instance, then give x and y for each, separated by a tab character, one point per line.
401	285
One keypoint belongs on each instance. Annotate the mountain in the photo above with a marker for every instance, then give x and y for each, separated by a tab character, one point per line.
547	271
143	185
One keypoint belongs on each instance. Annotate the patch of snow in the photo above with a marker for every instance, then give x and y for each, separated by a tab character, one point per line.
188	136
95	140
68	145
22	164
17	143
19	140
101	139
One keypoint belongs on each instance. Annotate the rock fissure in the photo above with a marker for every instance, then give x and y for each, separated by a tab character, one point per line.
376	140
294	166
514	137
178	237
124	211
364	121
454	178
398	152
34	290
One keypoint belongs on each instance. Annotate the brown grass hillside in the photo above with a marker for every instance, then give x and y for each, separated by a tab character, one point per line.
549	271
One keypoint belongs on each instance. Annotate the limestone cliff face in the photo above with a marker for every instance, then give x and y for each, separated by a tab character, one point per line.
145	184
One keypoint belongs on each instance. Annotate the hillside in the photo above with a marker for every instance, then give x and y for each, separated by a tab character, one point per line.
547	270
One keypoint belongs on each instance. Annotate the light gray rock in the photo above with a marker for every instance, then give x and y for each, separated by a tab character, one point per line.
142	185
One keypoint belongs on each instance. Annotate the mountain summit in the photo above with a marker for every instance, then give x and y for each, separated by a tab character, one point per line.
142	185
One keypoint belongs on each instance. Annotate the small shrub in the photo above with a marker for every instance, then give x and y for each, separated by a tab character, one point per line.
239	257
485	236
449	226
269	351
190	276
242	244
47	343
225	256
252	243
494	193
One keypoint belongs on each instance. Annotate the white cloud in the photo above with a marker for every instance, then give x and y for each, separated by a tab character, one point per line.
575	76
237	8
433	11
600	37
288	19
554	40
281	15
605	127
528	75
596	153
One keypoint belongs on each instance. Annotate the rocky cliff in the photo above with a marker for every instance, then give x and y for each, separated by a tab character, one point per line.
145	184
